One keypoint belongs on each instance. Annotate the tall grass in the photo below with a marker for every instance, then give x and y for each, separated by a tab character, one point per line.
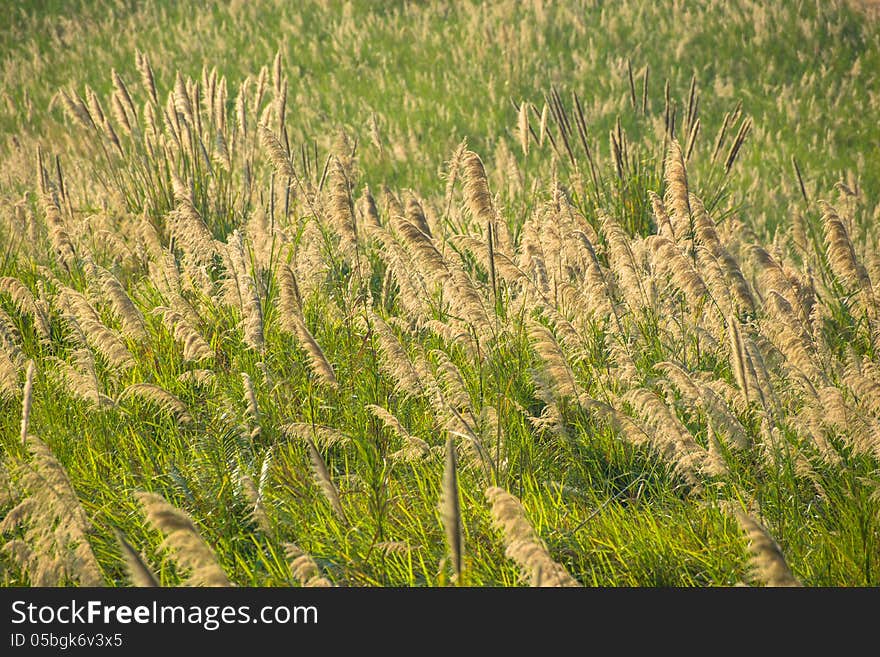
250	340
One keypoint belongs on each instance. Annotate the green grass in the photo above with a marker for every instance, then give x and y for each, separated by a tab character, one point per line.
432	74
407	83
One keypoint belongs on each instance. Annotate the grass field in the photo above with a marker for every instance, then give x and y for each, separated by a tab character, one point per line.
483	294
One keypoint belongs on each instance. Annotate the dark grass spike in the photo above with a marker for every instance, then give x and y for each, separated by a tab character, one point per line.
691	104
744	129
667	108
692	138
632	84
450	509
581	124
719	139
562	121
797	171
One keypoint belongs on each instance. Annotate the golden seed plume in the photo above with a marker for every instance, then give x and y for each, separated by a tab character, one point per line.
676	198
523	544
413	447
304	568
342	217
254	497
841	252
661	218
182	102
395	362
250	306
321	367
26	303
138	572
479	200
738	356
53	547
250	396
369	210
58	233
76	109
182	538
523	127
324	436
289	303
133	324
669	436
278	156
81	380
668	259
453	168
424	251
195	347
147	77
201	377
98	336
767	559
323	480
450	510
555	364
27	400
415	213
702	398
624	263
157	395
188	228
9	385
